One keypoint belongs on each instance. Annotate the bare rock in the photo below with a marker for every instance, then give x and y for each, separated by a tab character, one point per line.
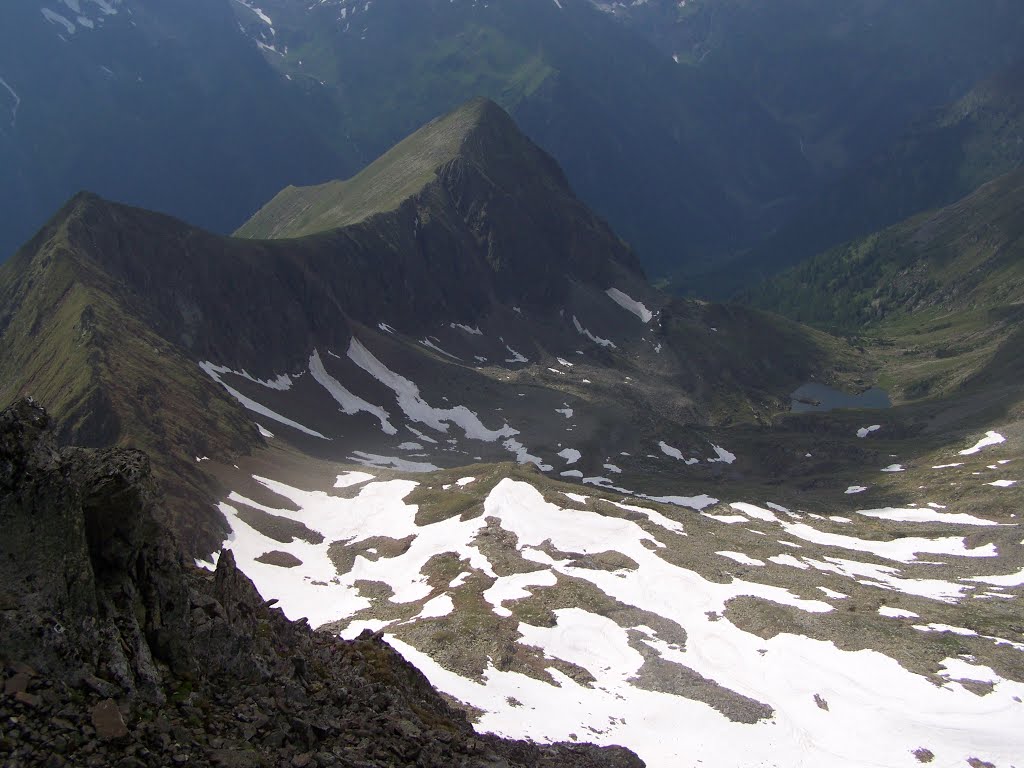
107	720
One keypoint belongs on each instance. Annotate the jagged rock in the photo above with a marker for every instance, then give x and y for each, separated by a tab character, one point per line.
115	621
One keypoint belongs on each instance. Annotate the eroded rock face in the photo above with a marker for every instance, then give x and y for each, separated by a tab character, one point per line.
117	652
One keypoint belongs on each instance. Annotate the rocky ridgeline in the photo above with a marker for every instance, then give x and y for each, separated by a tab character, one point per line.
116	652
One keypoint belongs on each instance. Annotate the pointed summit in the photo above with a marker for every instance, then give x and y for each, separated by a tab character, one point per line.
479	133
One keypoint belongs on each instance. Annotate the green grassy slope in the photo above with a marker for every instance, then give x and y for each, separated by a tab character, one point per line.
940	296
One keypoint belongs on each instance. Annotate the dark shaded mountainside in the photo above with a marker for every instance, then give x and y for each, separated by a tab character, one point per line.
186	95
945	287
940	159
115	652
844	79
461	259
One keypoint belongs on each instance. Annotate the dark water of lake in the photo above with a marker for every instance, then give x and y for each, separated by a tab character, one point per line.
819	397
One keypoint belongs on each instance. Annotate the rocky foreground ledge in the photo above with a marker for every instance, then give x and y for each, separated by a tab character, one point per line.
116	652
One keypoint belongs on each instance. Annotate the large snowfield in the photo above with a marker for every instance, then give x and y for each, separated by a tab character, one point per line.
828	707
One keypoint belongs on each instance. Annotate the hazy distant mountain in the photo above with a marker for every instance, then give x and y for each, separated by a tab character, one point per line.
694	130
163	105
180	111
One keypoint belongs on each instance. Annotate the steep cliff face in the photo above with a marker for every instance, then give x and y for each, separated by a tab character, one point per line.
115	651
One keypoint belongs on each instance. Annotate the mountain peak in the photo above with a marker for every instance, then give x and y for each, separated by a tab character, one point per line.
479	132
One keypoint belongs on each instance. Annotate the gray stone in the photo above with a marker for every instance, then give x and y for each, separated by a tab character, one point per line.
107	720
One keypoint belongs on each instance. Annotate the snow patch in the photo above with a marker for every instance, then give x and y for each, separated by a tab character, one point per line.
990	438
571	455
630	305
416	408
741	558
391	462
215	372
350	404
596	339
897	613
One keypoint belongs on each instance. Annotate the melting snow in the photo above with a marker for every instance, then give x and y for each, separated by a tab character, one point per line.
727	519
833	594
348	479
416	408
897	613
990	438
879	710
903	550
865	431
516	357
756	512
630	305
923	515
523	456
56	18
788	560
17	101
693	502
215	372
393	462
933	627
655	517
350	404
431	345
596	339
741	558
1009	580
675	453
571	455
513	587
723	455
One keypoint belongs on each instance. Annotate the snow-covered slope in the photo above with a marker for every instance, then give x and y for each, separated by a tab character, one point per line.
743	634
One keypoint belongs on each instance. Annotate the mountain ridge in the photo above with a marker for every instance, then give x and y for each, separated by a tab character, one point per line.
138	329
398	174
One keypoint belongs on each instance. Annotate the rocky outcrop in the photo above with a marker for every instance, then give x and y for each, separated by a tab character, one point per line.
115	651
